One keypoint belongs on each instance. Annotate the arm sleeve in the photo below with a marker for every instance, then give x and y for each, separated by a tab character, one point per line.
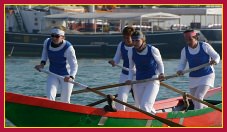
117	56
183	61
158	59
131	65
211	52
44	56
72	60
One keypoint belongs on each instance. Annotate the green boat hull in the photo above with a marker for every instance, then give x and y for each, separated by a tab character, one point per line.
26	111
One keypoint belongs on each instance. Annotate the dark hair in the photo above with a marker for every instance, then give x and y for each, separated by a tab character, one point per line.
189	30
128	30
138	33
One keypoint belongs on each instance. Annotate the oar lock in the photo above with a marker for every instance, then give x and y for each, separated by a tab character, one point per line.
186	102
110	107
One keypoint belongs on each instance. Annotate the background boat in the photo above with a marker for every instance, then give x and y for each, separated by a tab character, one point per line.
214	37
206	18
26	37
93	45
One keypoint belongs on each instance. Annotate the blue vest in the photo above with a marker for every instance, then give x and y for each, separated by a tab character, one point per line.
57	59
145	64
198	59
124	54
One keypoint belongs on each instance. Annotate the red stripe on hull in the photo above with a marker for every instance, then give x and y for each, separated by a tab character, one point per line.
42	102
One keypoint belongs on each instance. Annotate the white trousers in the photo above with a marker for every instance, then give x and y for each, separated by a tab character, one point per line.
199	92
123	92
145	95
53	84
204	80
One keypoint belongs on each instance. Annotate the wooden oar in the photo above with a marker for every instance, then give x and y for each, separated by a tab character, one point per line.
124	68
133	82
166	77
51	73
99	101
168	122
183	93
170	76
190	96
83	90
96	88
188	70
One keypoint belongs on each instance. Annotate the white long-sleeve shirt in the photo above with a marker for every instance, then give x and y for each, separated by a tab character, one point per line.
71	60
157	56
206	47
118	56
204	80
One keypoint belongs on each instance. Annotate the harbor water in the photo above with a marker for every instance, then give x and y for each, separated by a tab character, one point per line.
21	77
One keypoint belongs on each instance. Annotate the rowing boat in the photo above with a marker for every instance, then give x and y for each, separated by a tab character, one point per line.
30	111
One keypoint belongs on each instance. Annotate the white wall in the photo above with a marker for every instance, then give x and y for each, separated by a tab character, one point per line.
32	19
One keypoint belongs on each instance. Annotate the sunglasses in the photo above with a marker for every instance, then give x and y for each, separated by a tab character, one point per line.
135	40
55	35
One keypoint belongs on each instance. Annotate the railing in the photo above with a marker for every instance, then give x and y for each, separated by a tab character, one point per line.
19	20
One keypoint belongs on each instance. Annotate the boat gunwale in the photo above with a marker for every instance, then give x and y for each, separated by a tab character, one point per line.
44	102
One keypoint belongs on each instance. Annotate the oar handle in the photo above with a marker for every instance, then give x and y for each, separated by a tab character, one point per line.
196	68
51	73
61	77
124	68
170	76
